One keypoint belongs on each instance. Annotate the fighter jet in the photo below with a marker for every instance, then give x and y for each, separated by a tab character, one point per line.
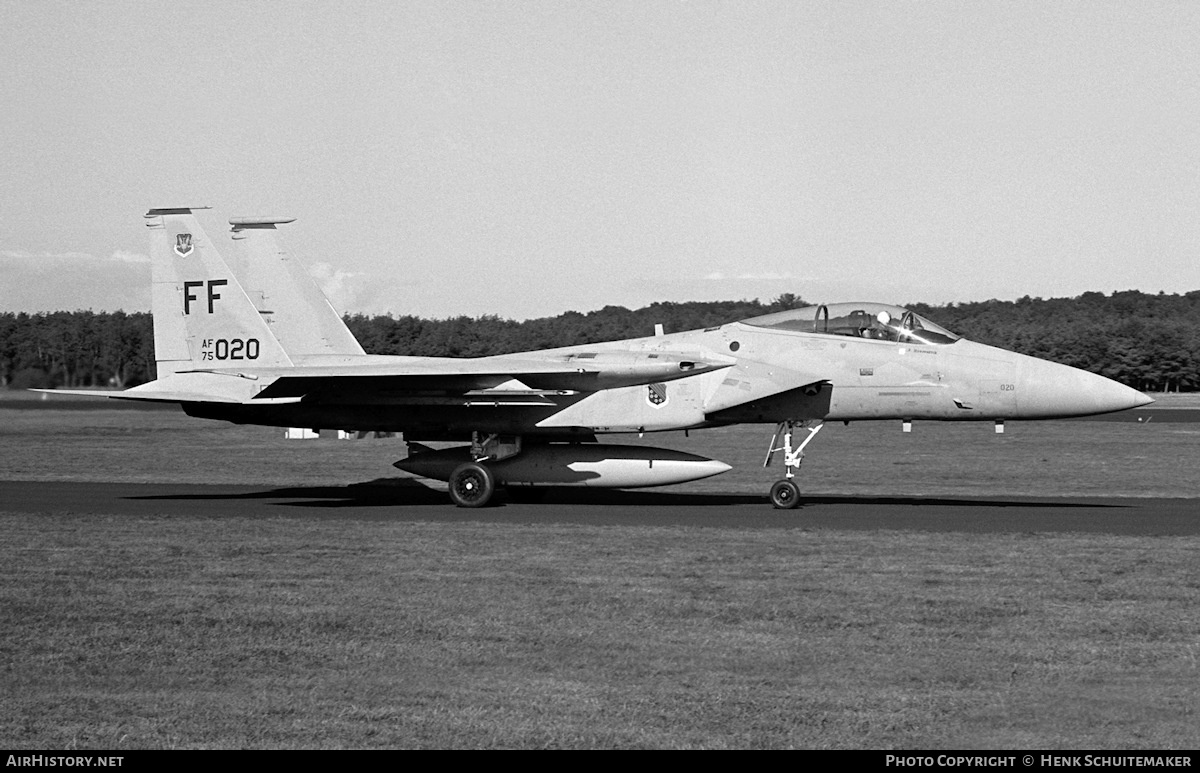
263	346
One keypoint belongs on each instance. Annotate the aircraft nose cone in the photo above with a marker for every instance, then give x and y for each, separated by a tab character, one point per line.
1060	390
1107	395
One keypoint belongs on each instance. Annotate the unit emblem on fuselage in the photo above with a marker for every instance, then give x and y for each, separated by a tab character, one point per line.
656	394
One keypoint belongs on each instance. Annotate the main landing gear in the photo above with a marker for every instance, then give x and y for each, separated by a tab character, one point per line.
472	484
785	494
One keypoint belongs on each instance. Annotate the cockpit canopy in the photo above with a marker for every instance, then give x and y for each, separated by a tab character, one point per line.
860	320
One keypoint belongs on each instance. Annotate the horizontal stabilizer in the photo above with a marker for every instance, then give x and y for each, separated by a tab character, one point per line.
78	392
144	396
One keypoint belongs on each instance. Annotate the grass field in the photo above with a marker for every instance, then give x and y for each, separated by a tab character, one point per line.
317	631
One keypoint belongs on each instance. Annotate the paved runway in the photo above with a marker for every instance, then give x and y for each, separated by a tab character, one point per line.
396	501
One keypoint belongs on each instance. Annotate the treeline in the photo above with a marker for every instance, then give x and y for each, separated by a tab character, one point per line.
1149	342
76	349
479	337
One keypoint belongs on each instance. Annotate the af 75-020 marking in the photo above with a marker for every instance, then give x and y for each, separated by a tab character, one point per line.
230	349
532	419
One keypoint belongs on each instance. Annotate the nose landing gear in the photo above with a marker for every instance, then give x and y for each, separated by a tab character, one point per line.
785	494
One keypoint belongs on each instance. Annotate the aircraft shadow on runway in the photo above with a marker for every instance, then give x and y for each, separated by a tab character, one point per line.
401	492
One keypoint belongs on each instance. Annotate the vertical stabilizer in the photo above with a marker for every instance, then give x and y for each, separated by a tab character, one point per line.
279	285
202	317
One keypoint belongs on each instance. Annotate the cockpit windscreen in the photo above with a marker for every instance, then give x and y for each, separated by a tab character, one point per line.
860	320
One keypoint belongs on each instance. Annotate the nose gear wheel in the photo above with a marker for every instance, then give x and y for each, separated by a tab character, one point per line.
785	494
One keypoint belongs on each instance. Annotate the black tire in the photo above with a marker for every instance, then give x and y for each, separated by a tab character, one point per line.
785	495
472	485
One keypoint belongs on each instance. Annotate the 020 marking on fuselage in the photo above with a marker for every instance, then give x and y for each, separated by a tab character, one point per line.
532	418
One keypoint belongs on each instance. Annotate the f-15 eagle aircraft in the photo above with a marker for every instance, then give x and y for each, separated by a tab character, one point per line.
263	346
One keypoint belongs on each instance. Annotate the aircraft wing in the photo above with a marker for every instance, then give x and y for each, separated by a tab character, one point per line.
606	370
514	377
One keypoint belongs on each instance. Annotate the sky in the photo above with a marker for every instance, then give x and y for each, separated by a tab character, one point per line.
522	159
